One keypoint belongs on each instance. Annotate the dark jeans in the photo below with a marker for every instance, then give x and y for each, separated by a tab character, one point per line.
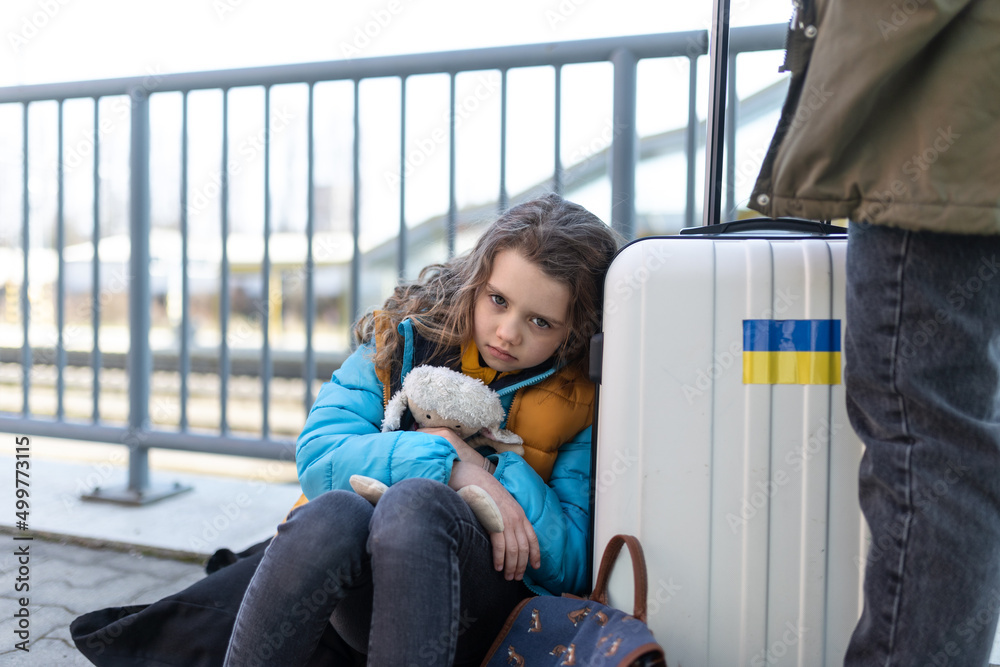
923	393
409	582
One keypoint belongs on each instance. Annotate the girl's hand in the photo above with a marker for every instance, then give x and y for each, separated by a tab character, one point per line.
517	546
448	435
461	447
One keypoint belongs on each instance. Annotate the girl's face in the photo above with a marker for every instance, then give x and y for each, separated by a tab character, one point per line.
520	318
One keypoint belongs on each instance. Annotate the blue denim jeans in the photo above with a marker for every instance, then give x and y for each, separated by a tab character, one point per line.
923	393
407	582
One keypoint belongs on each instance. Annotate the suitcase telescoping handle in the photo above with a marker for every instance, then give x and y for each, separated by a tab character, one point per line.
764	225
718	61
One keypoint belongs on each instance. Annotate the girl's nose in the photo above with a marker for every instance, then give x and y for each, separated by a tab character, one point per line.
507	331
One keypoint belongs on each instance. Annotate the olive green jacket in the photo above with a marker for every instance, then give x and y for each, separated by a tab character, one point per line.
892	116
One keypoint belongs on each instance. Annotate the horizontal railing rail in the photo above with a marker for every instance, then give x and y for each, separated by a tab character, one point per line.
284	363
139	434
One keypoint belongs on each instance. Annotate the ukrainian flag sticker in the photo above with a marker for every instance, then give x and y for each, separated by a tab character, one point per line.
791	351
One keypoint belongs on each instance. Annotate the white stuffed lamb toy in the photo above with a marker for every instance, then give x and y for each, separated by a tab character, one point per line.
440	397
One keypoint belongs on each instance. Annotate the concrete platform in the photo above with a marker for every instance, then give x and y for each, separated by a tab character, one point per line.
234	502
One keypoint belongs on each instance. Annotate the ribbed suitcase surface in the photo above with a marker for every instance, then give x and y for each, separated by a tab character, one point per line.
724	445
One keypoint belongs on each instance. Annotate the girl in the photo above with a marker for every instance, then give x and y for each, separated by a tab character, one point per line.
416	579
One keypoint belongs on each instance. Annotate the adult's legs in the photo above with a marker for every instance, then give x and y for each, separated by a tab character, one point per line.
437	598
317	559
923	390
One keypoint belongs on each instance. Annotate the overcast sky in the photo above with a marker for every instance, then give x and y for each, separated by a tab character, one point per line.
64	40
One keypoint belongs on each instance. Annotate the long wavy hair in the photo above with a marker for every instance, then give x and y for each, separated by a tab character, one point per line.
566	241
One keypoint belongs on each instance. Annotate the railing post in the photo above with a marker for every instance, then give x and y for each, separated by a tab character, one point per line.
26	354
452	224
138	490
691	140
309	372
731	102
355	303
139	357
504	199
401	241
95	270
557	167
623	144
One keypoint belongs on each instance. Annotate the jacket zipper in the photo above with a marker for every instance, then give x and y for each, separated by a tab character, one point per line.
526	383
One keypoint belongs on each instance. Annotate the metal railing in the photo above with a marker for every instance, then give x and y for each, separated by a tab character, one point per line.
138	434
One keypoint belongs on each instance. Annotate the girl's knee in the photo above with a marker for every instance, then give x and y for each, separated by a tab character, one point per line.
415	503
333	513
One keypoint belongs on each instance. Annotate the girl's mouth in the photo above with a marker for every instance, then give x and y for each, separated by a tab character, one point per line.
500	354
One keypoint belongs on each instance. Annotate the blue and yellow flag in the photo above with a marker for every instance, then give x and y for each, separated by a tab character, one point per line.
791	351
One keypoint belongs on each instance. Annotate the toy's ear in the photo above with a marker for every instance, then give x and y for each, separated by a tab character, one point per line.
394	412
502	435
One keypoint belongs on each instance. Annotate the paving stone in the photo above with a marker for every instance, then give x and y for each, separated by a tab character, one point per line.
50	622
68	580
45	653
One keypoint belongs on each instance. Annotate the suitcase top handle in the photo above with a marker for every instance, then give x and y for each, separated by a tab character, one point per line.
779	225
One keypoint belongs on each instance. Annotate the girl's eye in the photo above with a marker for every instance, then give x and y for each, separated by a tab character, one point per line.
498	300
540	323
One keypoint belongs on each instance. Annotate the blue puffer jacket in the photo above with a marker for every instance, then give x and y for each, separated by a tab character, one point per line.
343	437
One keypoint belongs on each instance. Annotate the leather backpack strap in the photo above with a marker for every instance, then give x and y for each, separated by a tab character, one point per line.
600	593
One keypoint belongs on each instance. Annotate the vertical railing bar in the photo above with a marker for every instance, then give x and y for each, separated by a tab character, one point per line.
309	373
265	361
26	355
401	246
452	197
61	268
623	145
356	209
139	357
503	201
185	348
731	139
691	143
224	271
557	184
95	270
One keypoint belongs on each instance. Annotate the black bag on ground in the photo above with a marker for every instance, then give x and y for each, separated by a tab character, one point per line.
188	629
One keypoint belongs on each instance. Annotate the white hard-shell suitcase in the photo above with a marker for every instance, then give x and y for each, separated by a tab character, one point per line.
735	466
721	435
